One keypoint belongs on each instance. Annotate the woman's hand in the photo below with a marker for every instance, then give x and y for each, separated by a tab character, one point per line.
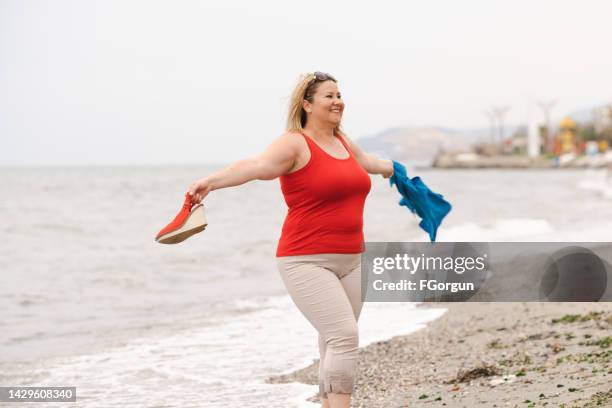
199	190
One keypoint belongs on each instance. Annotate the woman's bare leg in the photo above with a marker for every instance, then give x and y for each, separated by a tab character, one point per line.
322	393
339	400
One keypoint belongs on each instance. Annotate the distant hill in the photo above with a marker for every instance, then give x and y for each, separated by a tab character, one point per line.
421	144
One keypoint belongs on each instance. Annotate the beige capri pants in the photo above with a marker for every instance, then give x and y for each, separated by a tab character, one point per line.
326	288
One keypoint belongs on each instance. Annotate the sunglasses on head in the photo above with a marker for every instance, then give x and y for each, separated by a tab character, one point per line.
321	76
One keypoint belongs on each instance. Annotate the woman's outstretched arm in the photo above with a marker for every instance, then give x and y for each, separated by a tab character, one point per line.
369	162
276	160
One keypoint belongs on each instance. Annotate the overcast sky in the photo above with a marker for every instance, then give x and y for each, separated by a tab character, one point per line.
137	82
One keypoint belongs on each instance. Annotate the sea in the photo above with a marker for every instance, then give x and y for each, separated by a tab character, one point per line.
89	299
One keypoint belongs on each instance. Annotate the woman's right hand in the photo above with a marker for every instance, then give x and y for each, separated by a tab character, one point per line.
199	190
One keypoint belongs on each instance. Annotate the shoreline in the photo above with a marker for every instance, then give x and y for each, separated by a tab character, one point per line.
525	354
511	161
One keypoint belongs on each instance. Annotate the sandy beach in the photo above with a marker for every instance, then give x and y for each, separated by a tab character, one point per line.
489	355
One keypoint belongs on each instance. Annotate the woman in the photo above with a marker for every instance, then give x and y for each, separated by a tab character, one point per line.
324	180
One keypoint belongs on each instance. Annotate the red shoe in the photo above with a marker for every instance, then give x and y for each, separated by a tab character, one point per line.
189	221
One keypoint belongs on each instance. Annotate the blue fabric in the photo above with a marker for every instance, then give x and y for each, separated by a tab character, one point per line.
430	206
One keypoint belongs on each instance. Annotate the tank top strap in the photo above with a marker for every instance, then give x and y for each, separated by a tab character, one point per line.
315	154
309	142
348	149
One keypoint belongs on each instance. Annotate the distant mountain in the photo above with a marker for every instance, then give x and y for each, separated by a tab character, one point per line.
421	144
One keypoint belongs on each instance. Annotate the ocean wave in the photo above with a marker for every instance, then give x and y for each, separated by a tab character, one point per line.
599	181
230	360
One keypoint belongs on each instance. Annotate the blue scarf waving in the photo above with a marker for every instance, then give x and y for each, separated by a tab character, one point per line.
430	206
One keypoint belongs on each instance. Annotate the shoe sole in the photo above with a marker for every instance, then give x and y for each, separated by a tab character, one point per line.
194	223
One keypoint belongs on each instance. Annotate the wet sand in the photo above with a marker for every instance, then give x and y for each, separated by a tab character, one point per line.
491	355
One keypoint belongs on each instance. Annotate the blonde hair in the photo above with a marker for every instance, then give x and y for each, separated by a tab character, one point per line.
304	90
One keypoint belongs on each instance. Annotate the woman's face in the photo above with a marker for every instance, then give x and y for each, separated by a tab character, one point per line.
327	105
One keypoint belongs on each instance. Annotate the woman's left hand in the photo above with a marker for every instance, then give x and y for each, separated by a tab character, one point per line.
389	170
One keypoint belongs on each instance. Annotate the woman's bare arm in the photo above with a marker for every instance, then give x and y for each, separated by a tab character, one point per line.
369	162
276	160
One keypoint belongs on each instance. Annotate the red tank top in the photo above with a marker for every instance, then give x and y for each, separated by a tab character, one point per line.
325	199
